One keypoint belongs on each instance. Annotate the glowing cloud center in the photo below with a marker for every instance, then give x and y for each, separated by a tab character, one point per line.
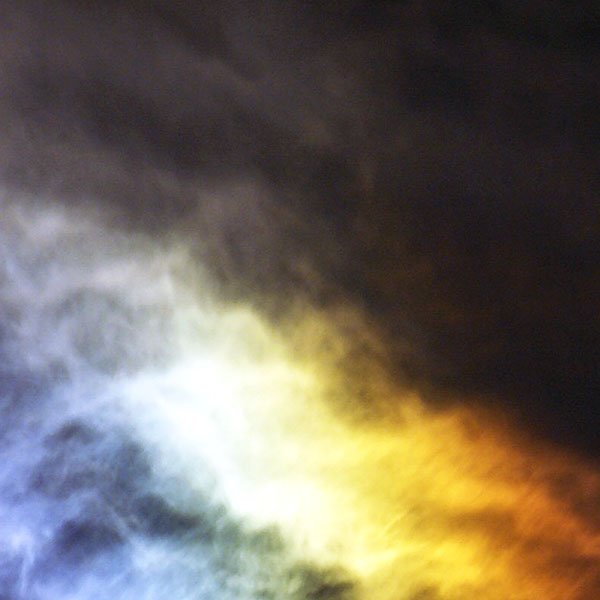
417	505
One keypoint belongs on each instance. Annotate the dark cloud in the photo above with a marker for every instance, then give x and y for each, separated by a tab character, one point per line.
436	164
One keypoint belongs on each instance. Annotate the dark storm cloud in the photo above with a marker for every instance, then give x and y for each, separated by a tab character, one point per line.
483	224
436	164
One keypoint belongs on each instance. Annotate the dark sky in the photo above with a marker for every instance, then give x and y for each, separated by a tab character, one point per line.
436	163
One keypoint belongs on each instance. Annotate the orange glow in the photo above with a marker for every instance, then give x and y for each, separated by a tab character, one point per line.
413	504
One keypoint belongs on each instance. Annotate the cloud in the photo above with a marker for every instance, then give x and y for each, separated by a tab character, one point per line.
370	231
225	451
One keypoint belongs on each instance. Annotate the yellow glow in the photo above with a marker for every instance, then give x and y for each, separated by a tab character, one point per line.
409	503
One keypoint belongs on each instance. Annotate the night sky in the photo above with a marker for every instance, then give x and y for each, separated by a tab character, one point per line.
417	179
